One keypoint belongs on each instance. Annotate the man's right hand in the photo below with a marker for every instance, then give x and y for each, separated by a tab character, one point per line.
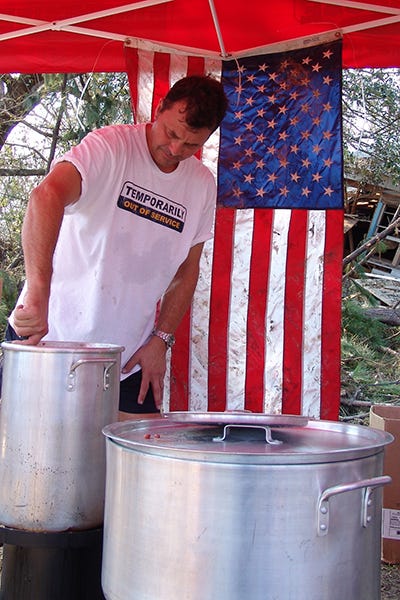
29	322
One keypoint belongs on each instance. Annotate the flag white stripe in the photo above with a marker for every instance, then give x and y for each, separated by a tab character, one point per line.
213	67
313	313
178	68
145	86
166	392
239	296
198	382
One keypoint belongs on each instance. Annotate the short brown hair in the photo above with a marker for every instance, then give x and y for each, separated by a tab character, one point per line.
206	102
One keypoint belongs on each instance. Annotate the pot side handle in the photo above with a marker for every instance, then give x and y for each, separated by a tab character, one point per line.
108	364
366	501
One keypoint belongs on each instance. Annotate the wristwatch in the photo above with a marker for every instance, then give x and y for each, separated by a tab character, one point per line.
168	338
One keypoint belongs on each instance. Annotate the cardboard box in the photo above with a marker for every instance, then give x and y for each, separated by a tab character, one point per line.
387	418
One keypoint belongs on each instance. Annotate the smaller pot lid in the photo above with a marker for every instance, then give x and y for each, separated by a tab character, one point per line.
238	437
49	347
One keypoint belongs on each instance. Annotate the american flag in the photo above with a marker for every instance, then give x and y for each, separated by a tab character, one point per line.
263	331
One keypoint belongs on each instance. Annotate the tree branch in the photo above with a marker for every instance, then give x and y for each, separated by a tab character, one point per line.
22	172
371	242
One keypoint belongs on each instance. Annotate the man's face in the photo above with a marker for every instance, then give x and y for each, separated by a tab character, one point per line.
170	140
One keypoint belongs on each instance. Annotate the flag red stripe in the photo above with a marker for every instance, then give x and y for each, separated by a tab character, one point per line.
195	65
331	316
161	65
258	285
219	309
180	357
293	316
180	367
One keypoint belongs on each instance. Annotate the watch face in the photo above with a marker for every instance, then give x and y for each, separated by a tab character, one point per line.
170	340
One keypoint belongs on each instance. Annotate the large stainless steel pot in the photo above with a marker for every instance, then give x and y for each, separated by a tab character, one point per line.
56	398
279	508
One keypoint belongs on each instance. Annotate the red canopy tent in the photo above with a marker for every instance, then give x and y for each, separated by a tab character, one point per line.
47	36
291	332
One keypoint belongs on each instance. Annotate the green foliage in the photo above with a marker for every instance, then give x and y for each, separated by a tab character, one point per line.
12	208
371	118
8	299
370	357
94	101
29	112
355	324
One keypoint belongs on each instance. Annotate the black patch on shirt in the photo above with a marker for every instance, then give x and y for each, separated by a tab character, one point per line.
153	207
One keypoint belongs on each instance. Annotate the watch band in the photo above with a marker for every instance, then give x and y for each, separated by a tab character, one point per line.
168	338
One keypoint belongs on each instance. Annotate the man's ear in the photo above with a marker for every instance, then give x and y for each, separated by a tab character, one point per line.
159	108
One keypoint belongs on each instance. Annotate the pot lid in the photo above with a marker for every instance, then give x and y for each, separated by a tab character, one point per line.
49	347
238	437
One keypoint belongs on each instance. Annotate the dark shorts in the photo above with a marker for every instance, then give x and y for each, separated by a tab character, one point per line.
129	391
10	335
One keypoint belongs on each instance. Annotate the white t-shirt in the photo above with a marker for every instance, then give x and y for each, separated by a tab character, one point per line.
121	244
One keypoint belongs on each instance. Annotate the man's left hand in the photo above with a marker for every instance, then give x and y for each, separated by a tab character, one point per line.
151	358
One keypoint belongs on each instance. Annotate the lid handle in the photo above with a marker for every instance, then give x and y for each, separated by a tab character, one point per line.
268	436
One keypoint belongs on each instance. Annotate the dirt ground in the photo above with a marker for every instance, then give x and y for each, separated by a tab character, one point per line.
390	582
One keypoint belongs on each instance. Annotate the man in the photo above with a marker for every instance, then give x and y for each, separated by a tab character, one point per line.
117	225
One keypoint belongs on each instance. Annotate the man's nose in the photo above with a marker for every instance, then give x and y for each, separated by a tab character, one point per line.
175	147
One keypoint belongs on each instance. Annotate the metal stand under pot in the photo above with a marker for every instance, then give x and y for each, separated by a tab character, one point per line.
56	566
55	399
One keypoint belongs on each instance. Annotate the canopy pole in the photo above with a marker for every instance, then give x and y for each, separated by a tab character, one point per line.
365	6
217	29
370	24
66	24
360	5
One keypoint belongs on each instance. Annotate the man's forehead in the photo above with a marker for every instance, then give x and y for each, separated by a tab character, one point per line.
175	118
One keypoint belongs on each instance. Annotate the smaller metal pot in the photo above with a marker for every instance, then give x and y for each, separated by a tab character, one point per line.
56	398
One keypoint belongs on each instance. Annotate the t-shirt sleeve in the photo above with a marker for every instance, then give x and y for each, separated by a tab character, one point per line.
93	157
206	221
